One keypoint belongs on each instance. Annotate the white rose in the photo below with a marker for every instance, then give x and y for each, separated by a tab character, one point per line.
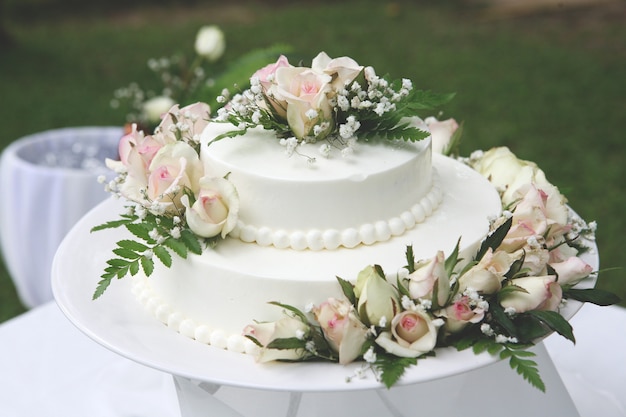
306	94
342	328
377	297
215	210
540	293
571	271
154	109
412	334
486	276
210	43
175	167
342	70
266	333
426	275
441	133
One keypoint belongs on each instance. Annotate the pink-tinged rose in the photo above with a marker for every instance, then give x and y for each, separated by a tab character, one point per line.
342	70
427	274
561	250
539	293
342	328
175	167
461	313
267	79
184	124
268	72
529	220
412	334
215	210
378	299
136	152
285	328
306	94
441	133
486	276
571	271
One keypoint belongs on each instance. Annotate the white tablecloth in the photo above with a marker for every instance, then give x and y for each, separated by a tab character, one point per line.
49	368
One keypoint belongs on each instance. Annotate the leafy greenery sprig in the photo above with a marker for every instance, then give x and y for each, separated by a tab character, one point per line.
157	237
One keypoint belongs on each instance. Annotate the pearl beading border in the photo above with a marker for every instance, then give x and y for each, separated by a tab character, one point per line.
330	239
178	322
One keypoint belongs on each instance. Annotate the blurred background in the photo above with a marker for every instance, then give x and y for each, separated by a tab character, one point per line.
543	77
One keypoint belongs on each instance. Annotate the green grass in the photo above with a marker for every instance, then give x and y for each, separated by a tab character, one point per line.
551	87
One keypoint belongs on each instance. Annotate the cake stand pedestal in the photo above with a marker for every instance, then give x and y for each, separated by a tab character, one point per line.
493	390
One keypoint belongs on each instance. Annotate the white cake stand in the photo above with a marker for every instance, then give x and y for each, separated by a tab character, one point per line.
212	381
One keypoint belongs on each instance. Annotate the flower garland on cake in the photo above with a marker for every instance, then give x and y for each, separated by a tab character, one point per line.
504	298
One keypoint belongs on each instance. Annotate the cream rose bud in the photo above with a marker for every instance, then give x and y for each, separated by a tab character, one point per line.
412	334
441	133
342	328
540	293
571	271
154	108
215	210
210	42
266	333
378	299
486	276
426	275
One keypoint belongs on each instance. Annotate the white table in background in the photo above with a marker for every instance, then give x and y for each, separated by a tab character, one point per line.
49	368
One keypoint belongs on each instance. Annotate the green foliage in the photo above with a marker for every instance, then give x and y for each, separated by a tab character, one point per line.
391	368
133	255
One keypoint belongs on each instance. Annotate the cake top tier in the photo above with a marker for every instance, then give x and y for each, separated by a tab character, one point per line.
380	190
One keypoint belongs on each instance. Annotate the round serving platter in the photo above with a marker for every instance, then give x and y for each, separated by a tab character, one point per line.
119	322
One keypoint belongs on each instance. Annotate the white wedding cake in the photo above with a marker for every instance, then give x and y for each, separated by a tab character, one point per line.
301	224
315	216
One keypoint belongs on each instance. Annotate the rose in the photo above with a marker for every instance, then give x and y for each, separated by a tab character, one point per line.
571	271
535	259
186	123
342	70
285	328
427	273
538	293
266	77
342	328
174	168
502	168
441	133
412	334
460	313
529	220
378	299
215	209
486	276
306	94
210	43
154	108
509	174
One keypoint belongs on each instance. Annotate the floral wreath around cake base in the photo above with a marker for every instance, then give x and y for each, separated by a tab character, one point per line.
504	298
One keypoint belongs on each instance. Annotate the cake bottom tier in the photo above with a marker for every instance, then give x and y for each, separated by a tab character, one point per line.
212	297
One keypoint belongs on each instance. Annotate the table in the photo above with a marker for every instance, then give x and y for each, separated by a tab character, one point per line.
49	368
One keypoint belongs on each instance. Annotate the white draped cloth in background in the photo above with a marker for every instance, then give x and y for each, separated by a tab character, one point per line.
48	181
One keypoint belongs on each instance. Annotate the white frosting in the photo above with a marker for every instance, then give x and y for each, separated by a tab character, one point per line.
381	191
212	297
